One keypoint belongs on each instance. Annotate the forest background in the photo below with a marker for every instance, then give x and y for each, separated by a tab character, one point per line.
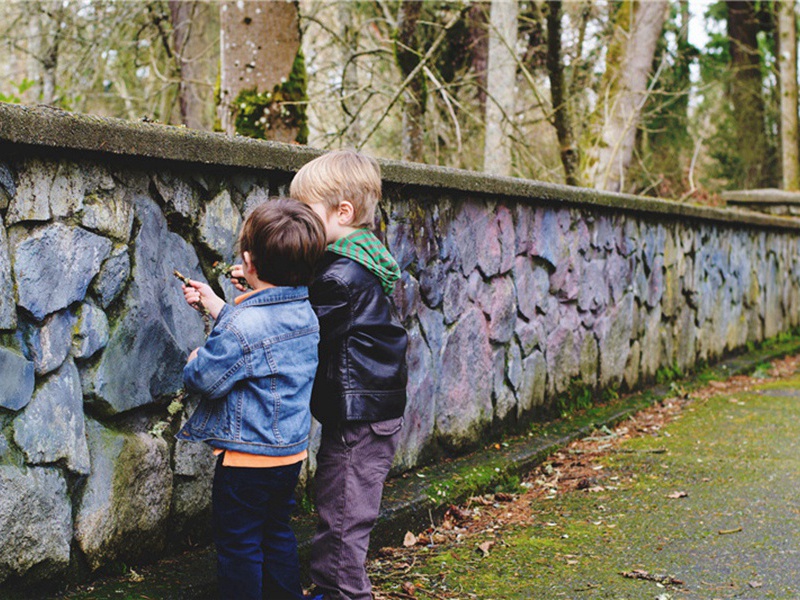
614	95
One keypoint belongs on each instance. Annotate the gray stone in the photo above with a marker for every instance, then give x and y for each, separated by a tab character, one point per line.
424	370
257	195
17	378
8	308
126	500
563	359
628	237
530	334
566	281
588	360
112	276
672	298
66	193
8	188
603	235
534	379
455	298
178	195
466	383
219	226
498	301
504	400
36	521
49	343
46	280
614	331
51	427
632	368
533	286
109	213
651	344
433	328
148	346
507	237
514	366
655	283
91	331
594	291
32	200
524	218
399	240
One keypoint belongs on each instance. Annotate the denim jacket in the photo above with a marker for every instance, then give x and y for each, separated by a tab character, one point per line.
255	374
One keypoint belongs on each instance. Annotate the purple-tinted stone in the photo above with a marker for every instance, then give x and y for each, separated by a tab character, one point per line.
655	284
580	237
563	359
566	281
603	235
614	330
455	297
464	404
489	248
617	272
533	285
400	242
593	291
628	237
524	225
508	238
469	228
406	296
499	303
432	282
533	386
514	366
433	329
530	334
548	241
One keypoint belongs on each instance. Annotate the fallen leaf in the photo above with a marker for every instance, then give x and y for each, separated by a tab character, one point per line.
484	547
657	577
729	531
409	540
755	584
409	588
675	495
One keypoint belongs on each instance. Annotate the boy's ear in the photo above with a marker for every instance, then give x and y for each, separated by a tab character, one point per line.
345	212
247	261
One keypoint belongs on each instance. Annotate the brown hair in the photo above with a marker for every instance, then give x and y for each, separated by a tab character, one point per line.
285	239
341	175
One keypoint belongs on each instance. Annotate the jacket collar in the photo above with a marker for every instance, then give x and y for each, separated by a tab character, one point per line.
274	295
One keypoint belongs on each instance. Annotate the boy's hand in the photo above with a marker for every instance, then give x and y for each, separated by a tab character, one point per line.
192	355
197	291
237	276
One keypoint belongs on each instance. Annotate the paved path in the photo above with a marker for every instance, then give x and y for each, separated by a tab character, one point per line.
734	532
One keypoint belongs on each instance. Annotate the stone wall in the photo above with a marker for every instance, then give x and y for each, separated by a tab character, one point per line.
515	295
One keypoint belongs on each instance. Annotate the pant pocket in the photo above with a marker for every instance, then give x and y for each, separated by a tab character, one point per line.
387	428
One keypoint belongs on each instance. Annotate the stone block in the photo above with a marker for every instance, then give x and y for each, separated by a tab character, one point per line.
219	226
533	386
498	301
32	199
632	371
466	382
178	195
686	339
406	296
594	289
91	331
8	189
469	230
549	235
504	399
532	283
67	190
156	330
46	281
614	330
588	360
530	334
124	508
109	213
432	281
49	343
257	195
17	378
563	359
455	298
36	521
51	427
112	276
651	344
8	304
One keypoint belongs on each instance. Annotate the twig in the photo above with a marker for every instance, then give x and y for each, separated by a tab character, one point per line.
198	306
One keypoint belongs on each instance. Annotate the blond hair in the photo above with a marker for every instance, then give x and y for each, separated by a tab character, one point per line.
337	176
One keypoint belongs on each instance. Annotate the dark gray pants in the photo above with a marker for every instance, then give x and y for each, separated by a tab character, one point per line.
352	464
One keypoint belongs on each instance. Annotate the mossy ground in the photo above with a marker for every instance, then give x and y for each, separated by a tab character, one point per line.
734	534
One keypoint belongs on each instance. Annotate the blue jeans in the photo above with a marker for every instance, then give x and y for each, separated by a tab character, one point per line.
256	547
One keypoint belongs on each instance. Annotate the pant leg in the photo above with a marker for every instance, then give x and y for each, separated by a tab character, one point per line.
352	465
281	577
242	501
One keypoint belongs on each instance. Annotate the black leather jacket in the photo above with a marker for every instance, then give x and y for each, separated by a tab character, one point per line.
362	370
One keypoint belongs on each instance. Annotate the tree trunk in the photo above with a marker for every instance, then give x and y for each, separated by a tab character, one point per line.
195	32
349	96
746	95
787	59
407	53
501	84
259	49
626	90
561	112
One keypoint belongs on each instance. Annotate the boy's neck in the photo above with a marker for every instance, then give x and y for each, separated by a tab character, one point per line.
342	232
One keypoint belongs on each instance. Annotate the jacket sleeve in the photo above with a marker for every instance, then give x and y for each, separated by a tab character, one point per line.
331	302
220	363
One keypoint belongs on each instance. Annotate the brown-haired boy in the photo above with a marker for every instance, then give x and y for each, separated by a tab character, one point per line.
255	375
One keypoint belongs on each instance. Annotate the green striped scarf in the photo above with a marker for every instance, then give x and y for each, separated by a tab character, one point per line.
363	247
